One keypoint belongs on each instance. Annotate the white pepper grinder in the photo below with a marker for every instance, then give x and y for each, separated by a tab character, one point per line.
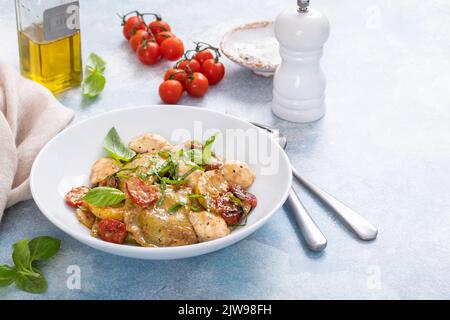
299	82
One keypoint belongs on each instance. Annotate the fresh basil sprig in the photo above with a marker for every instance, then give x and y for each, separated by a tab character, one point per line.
178	205
116	148
200	157
194	156
189	172
94	80
24	273
206	154
195	196
104	196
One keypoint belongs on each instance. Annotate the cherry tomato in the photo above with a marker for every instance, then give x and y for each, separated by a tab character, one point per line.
193	65
204	55
244	195
230	211
112	230
132	25
149	52
75	196
136	40
171	91
213	70
159	26
176	74
160	37
172	49
197	85
141	193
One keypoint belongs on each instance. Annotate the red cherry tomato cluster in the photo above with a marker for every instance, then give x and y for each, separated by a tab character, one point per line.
151	41
194	73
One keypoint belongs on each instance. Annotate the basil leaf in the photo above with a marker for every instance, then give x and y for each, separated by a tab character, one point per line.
104	196
164	154
193	156
116	148
191	170
195	196
174	182
176	206
95	62
163	188
93	84
94	80
7	275
43	248
237	201
21	255
165	167
33	282
206	155
194	208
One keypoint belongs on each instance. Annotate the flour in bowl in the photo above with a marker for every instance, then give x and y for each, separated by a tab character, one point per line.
260	53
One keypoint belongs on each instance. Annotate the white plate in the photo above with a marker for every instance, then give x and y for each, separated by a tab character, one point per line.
242	45
66	160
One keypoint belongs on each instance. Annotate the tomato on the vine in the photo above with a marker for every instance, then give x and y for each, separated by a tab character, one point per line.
172	49
149	52
171	91
159	26
138	37
131	25
197	85
190	65
213	70
204	55
160	37
176	74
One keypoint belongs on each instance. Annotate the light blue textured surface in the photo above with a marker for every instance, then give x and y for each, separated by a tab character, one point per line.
383	148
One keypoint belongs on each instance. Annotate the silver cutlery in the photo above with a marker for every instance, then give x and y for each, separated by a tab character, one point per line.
358	224
314	238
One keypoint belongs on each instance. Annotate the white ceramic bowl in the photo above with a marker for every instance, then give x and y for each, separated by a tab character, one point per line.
243	45
66	160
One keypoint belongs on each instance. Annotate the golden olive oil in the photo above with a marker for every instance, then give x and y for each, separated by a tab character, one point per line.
55	64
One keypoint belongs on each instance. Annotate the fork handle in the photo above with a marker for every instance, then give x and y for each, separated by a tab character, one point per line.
358	224
314	238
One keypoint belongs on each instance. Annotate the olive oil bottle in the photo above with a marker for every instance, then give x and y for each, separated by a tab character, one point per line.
49	42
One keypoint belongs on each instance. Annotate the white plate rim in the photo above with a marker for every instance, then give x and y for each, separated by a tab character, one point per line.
137	251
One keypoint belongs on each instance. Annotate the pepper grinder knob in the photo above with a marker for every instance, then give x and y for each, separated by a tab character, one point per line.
299	82
303	5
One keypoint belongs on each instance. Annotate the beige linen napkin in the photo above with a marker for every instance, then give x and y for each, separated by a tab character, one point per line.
30	116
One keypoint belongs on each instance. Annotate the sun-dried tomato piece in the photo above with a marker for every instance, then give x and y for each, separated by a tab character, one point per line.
75	196
230	211
112	230
244	195
141	193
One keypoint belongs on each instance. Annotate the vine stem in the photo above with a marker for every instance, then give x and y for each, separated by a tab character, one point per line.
157	16
123	17
202	46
